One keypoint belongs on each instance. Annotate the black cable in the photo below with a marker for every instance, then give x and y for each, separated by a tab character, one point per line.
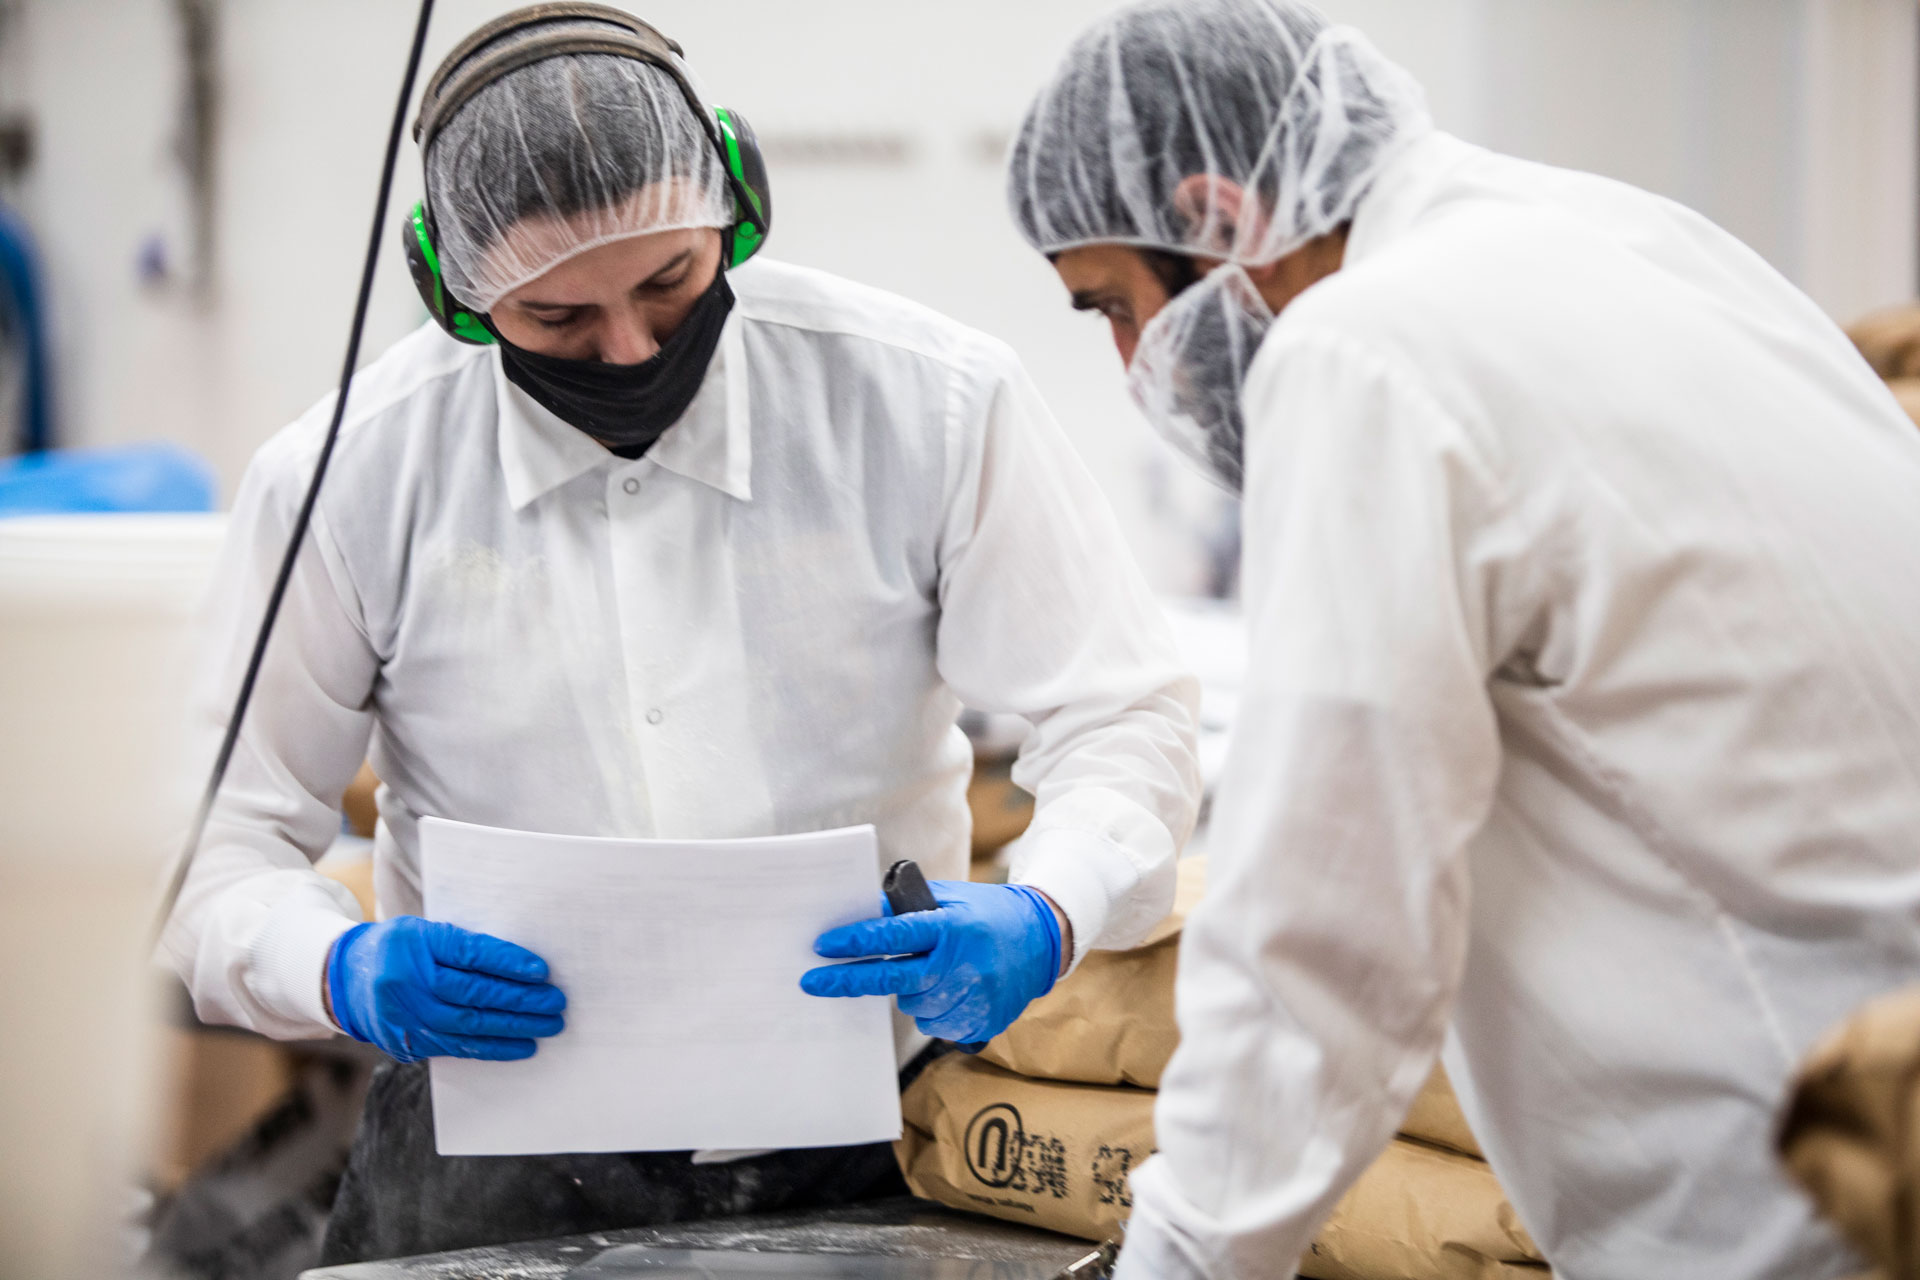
185	862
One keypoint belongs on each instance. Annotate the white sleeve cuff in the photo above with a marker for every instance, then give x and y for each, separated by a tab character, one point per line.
1088	876
1108	863
289	963
1061	871
1159	1246
1151	1251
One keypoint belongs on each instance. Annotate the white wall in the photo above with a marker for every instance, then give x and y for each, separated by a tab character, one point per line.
1790	121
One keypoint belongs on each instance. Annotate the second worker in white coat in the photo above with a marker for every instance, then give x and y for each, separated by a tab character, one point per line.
1581	730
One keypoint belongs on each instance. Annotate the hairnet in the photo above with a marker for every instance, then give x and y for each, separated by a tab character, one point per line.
1229	129
1267	94
562	156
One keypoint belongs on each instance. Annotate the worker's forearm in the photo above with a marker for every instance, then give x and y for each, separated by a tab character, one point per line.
1105	862
1066	933
326	987
254	955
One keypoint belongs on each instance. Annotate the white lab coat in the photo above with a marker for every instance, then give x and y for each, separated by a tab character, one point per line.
1581	732
765	625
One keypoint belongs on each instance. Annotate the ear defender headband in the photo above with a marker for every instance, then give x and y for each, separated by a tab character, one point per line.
463	75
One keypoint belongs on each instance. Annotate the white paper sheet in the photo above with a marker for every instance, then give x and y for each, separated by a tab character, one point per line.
681	962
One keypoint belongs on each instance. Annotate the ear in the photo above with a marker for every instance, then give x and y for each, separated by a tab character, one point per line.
1266	274
1222	222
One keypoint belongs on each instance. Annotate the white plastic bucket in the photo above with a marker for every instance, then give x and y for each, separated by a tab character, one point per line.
98	617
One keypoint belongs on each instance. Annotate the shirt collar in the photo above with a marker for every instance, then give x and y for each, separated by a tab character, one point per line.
713	441
538	451
711	444
1403	191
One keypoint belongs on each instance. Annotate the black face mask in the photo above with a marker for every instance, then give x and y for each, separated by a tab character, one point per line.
627	407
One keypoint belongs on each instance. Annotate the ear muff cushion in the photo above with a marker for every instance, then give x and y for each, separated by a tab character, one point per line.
420	265
748	165
423	264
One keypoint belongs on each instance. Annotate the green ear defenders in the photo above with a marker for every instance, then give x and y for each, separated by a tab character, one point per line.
473	65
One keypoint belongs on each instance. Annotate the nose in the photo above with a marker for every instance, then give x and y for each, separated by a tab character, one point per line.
626	338
1126	342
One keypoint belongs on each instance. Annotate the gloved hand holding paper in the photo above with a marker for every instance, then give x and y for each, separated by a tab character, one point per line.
425	989
686	1027
963	971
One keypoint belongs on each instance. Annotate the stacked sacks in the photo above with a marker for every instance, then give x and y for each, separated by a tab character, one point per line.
1851	1132
1045	1126
1890	340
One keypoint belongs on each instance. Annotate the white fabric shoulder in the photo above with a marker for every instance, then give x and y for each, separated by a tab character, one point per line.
382	393
1308	380
1414	281
804	298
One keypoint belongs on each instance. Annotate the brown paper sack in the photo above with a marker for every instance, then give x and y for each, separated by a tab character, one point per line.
1890	340
1058	1155
1435	1117
1423	1214
1111	1022
1851	1133
1907	392
1035	1151
1001	811
361	803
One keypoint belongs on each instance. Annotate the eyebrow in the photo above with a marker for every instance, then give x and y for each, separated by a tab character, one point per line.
672	264
678	260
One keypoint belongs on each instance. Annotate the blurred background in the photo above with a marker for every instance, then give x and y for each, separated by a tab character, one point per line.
185	187
198	174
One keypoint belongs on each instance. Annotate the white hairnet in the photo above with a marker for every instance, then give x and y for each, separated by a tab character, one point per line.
1229	129
562	156
1295	111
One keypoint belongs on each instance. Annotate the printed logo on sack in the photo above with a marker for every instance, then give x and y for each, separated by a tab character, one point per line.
994	1142
1111	1165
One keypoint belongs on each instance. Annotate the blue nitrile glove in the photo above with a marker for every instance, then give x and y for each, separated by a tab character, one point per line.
963	972
424	989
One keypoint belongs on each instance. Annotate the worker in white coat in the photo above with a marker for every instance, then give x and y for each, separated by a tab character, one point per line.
1581	732
641	540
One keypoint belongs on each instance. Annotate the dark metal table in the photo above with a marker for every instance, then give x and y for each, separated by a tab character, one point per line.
884	1229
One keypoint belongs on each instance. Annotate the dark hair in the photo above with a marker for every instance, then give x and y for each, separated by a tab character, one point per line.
1176	272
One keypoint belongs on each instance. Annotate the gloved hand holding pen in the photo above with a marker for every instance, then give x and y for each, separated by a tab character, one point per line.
963	972
425	989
